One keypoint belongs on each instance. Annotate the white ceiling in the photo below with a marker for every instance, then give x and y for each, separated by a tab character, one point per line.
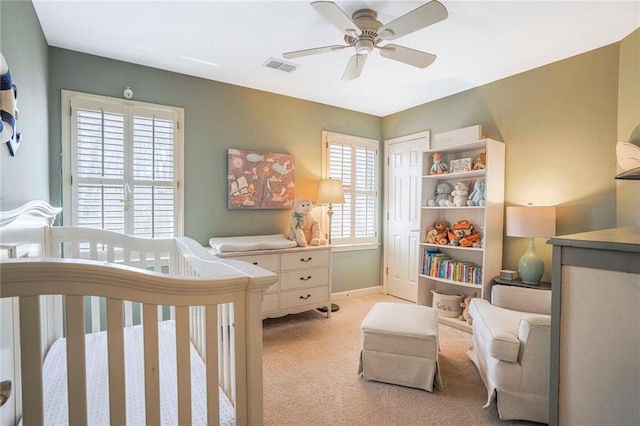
229	41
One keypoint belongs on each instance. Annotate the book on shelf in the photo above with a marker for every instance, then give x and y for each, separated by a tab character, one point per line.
439	265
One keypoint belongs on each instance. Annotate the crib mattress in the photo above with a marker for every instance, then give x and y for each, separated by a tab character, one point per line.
55	380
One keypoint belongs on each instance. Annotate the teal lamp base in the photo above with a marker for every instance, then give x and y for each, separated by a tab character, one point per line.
530	266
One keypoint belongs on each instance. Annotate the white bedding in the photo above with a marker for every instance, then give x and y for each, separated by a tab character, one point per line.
55	380
251	243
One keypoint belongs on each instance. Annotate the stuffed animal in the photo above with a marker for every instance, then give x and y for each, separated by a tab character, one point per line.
465	309
463	234
460	195
481	161
443	195
439	167
477	197
304	228
437	234
455	235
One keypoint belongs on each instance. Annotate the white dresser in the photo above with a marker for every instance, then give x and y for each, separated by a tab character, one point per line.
305	278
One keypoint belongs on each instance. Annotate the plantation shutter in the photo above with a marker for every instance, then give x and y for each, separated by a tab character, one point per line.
354	161
123	168
153	175
99	174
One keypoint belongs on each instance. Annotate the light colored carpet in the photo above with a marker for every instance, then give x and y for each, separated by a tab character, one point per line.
310	376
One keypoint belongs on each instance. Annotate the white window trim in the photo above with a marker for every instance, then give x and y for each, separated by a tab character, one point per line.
67	158
324	221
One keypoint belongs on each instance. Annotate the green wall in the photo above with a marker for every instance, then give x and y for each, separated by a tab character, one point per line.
628	191
219	116
559	126
24	47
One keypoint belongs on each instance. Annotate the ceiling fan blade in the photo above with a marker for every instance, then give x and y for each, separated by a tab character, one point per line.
425	15
354	67
337	17
314	51
406	55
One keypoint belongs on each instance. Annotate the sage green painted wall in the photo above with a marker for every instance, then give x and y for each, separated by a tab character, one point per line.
219	116
628	195
22	43
559	126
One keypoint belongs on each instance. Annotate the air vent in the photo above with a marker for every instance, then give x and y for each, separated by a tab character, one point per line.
277	64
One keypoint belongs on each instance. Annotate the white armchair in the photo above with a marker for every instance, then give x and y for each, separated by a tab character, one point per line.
511	349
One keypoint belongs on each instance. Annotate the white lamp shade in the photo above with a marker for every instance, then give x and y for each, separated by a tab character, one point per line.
531	221
330	191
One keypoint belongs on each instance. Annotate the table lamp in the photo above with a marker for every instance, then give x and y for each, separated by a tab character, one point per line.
330	192
531	222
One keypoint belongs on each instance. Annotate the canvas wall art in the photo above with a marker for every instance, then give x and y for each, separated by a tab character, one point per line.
260	180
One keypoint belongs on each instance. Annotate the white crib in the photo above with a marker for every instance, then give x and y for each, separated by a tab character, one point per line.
97	295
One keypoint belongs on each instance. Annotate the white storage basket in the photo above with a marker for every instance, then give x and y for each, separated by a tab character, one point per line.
447	305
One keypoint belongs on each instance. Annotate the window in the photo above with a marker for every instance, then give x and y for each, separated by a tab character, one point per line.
355	161
122	165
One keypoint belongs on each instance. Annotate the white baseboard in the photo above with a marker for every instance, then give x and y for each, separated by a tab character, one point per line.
361	292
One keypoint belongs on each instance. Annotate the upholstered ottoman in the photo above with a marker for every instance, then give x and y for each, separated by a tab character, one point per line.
400	345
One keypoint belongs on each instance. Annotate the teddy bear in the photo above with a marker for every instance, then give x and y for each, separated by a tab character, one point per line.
460	195
481	161
304	228
465	309
442	196
437	234
477	197
439	167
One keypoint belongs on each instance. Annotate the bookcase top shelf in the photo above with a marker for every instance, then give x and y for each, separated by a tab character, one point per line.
470	146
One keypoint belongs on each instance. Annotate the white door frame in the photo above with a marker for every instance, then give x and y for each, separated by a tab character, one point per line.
385	228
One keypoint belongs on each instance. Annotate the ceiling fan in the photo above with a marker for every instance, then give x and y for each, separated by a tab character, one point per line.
364	32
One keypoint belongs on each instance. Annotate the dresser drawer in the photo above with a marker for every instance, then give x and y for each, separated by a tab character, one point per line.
306	296
270	302
304	259
304	278
266	261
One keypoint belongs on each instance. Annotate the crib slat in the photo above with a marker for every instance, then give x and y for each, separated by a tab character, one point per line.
157	258
151	364
184	365
142	256
232	348
76	363
93	250
211	331
223	347
95	314
115	347
30	357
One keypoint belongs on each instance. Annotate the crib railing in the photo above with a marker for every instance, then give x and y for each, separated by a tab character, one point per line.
216	306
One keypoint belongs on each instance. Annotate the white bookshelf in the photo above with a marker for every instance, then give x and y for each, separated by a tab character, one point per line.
487	219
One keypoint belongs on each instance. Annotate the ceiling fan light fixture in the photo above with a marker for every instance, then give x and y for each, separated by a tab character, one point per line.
364	47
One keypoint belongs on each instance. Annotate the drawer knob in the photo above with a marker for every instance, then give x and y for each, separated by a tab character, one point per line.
308	259
255	263
305	297
305	279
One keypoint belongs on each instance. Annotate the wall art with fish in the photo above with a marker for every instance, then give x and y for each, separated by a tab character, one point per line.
260	180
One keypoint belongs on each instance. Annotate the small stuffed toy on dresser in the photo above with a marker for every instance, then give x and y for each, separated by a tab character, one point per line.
304	228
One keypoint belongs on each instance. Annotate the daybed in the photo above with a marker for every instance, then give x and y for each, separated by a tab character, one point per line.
149	331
